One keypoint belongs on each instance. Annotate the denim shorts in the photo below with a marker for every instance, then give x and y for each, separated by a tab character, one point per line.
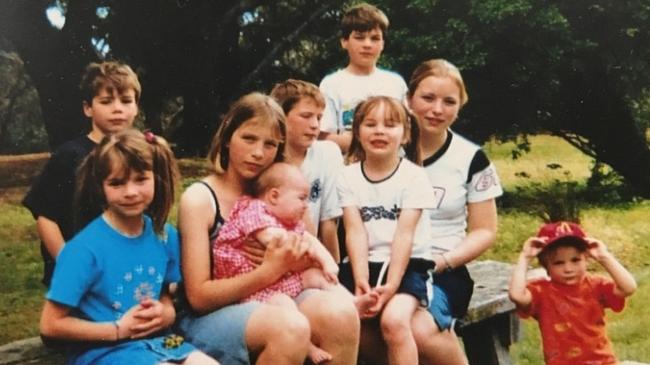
452	291
149	351
416	280
222	333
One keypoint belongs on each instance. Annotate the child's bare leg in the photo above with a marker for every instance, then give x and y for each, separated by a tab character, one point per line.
282	300
316	354
313	278
198	358
396	329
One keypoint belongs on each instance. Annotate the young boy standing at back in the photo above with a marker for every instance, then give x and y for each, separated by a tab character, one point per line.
570	305
110	92
363	30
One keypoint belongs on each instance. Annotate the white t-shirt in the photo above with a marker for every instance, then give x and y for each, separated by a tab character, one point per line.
380	203
322	166
343	91
460	173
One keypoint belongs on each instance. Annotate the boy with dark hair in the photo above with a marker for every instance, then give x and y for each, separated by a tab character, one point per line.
363	31
569	305
110	94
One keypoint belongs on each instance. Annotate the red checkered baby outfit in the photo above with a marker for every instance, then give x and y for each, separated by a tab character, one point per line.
248	216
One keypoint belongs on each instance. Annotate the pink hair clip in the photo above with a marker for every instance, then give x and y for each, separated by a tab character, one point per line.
150	137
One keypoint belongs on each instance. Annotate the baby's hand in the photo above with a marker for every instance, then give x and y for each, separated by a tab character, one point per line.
331	273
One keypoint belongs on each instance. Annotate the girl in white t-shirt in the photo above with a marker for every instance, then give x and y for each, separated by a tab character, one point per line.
382	195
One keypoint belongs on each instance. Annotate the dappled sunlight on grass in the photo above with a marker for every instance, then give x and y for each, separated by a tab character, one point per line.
544	150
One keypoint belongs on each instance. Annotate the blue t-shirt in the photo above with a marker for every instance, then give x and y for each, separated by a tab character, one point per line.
102	273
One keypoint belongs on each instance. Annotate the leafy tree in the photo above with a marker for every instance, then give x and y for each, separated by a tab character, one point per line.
578	69
20	128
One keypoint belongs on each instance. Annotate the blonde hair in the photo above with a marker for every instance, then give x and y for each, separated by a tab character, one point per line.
111	75
438	68
130	151
395	111
254	107
291	91
363	17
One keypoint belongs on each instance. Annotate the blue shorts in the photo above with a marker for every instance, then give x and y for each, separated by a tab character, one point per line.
222	333
416	280
452	291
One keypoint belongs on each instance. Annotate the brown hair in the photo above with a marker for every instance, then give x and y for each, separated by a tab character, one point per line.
130	151
254	107
111	75
275	176
438	68
291	91
363	17
549	251
396	111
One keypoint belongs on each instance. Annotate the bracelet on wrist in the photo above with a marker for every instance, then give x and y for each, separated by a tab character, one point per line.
117	330
448	266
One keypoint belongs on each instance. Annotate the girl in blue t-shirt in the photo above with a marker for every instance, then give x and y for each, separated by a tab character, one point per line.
108	296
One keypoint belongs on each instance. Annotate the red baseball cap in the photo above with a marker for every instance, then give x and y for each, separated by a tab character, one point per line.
562	229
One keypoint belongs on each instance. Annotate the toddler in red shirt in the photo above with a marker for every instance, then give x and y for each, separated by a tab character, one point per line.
569	305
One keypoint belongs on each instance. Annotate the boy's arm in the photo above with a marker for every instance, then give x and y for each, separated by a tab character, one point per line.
625	283
517	290
322	257
50	233
328	235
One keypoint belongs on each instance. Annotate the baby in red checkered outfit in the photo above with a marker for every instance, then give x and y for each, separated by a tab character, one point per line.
280	203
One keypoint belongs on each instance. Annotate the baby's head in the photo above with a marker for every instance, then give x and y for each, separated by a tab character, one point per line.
564	254
285	191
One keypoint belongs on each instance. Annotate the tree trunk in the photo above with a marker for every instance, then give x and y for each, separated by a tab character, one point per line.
601	115
54	60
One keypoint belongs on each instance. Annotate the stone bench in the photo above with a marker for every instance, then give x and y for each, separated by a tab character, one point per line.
487	331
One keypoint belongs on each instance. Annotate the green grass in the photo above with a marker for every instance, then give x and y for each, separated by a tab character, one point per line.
21	291
545	150
623	227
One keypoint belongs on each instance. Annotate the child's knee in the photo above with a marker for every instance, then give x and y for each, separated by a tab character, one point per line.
282	300
199	358
395	324
290	325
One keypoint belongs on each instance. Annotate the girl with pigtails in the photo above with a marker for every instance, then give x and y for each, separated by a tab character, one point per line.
108	296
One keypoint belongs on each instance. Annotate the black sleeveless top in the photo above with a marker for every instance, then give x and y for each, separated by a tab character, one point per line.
181	303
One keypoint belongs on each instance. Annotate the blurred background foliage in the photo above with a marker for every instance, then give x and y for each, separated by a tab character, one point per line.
575	69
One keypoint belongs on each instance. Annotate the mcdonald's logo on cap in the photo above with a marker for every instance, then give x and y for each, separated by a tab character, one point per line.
556	230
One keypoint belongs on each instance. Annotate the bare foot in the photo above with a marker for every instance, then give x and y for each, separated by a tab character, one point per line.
365	301
317	355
